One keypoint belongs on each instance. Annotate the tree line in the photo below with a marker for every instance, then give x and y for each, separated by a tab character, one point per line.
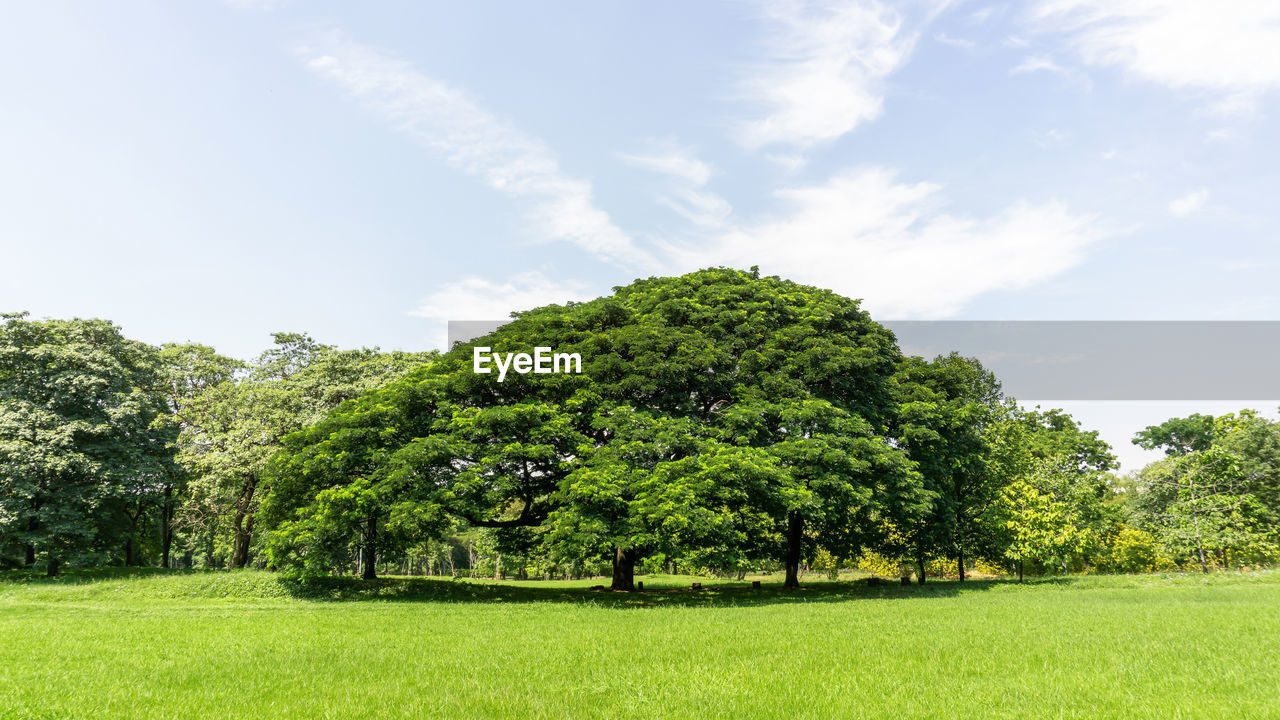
723	422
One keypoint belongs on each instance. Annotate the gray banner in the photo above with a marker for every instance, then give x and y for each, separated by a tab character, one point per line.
1088	359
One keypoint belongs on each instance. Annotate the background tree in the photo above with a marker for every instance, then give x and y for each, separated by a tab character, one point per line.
78	440
1035	526
235	428
1073	467
1178	436
1212	506
951	425
1255	441
352	445
185	372
1212	516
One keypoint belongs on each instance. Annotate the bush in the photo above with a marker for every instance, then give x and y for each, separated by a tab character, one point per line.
1134	551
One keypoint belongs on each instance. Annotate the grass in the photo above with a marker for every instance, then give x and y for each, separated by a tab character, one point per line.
195	645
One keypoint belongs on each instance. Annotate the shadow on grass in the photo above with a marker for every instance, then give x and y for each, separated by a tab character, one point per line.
717	595
668	591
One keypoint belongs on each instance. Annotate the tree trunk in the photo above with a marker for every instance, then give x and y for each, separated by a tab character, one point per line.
370	571
166	527
51	570
1020	564
243	524
1195	520
131	545
31	549
795	535
624	569
243	534
960	564
920	569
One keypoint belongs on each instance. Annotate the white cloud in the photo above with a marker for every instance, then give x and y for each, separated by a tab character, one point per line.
476	298
1224	134
673	161
790	163
704	209
980	16
1052	137
826	71
447	121
1231	49
1192	202
867	235
688	175
955	42
1035	63
1042	63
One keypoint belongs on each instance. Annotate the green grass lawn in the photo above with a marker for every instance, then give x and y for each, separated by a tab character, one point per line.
248	645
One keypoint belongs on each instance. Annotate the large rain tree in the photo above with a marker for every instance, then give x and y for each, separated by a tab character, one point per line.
701	349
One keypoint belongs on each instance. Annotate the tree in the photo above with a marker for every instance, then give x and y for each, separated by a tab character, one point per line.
1214	505
78	438
605	506
332	485
236	427
1256	442
1178	436
1036	527
685	349
186	371
844	479
1072	466
1212	515
951	414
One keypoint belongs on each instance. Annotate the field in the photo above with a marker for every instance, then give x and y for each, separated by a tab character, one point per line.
223	645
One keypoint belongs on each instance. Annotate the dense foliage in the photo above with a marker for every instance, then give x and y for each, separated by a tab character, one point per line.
723	422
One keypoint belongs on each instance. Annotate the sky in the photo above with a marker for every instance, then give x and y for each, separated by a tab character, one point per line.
217	171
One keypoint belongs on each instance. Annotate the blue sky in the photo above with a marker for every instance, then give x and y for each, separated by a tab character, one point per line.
217	171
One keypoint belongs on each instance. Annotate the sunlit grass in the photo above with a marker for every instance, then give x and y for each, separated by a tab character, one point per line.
195	645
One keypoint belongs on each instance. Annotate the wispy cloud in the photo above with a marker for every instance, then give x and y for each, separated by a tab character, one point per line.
1052	137
981	15
955	42
677	162
865	234
1230	49
685	193
1190	203
826	71
477	298
1044	63
1035	63
446	121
